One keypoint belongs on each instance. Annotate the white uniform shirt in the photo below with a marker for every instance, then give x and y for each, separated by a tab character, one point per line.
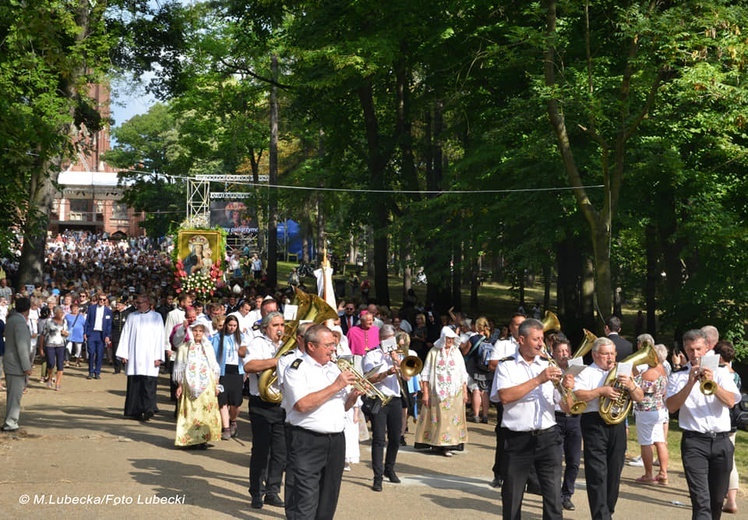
702	413
504	348
259	348
389	386
534	411
305	377
588	379
283	362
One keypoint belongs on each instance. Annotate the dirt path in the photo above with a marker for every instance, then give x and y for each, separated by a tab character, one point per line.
75	445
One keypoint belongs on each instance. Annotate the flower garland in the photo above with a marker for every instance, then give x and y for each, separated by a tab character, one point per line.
204	285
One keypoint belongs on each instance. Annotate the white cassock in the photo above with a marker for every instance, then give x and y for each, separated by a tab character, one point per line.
142	343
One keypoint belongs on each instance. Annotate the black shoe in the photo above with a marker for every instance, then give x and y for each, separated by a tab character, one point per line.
257	503
497	482
392	477
90	376
568	505
274	500
97	376
402	441
377	485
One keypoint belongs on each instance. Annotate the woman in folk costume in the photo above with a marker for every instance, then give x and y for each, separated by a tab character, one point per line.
196	373
441	419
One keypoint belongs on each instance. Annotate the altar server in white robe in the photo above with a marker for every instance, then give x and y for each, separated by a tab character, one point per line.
141	346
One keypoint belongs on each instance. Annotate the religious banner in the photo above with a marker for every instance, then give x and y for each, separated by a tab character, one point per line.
199	261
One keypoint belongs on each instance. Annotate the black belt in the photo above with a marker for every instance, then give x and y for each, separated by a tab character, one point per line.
706	435
564	414
316	434
533	433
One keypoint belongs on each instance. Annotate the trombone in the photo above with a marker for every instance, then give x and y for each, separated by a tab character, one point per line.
363	385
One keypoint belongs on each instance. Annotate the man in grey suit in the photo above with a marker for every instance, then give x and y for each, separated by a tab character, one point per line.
17	361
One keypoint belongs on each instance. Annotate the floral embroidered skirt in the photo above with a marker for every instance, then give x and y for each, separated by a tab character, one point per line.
198	420
442	424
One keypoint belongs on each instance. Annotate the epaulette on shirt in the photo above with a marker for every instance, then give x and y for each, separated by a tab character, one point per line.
681	369
506	359
287	352
296	363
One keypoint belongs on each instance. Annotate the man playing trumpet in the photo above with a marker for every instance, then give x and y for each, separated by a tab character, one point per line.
604	444
525	386
705	420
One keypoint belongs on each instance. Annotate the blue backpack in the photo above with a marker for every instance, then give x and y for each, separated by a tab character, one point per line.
482	350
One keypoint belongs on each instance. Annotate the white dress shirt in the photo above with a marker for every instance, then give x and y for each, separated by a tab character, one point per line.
535	410
259	348
703	413
389	386
305	377
588	379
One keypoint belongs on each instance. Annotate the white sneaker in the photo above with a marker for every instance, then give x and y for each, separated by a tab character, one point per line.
636	461
347	467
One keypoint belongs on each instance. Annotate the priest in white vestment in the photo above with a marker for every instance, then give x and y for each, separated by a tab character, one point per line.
141	346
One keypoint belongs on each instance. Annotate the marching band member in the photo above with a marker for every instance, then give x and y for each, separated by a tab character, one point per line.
501	350
570	427
389	418
318	399
268	459
604	444
705	420
525	384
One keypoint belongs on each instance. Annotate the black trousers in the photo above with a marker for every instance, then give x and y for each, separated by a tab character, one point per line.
315	466
571	431
389	418
268	458
540	450
498	471
604	454
707	461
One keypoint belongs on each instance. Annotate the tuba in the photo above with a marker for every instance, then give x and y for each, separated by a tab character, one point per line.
311	308
615	411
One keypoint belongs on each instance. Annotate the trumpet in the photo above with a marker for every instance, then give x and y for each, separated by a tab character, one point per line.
707	386
363	385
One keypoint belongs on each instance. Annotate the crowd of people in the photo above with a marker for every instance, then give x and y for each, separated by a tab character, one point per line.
313	387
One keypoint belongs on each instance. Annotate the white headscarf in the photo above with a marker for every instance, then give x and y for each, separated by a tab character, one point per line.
446	332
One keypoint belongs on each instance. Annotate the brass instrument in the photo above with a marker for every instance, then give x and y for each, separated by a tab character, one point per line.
311	308
615	411
363	385
551	322
586	346
707	386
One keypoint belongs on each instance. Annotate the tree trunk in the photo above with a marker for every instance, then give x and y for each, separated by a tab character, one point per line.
41	196
272	260
547	285
650	289
380	217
